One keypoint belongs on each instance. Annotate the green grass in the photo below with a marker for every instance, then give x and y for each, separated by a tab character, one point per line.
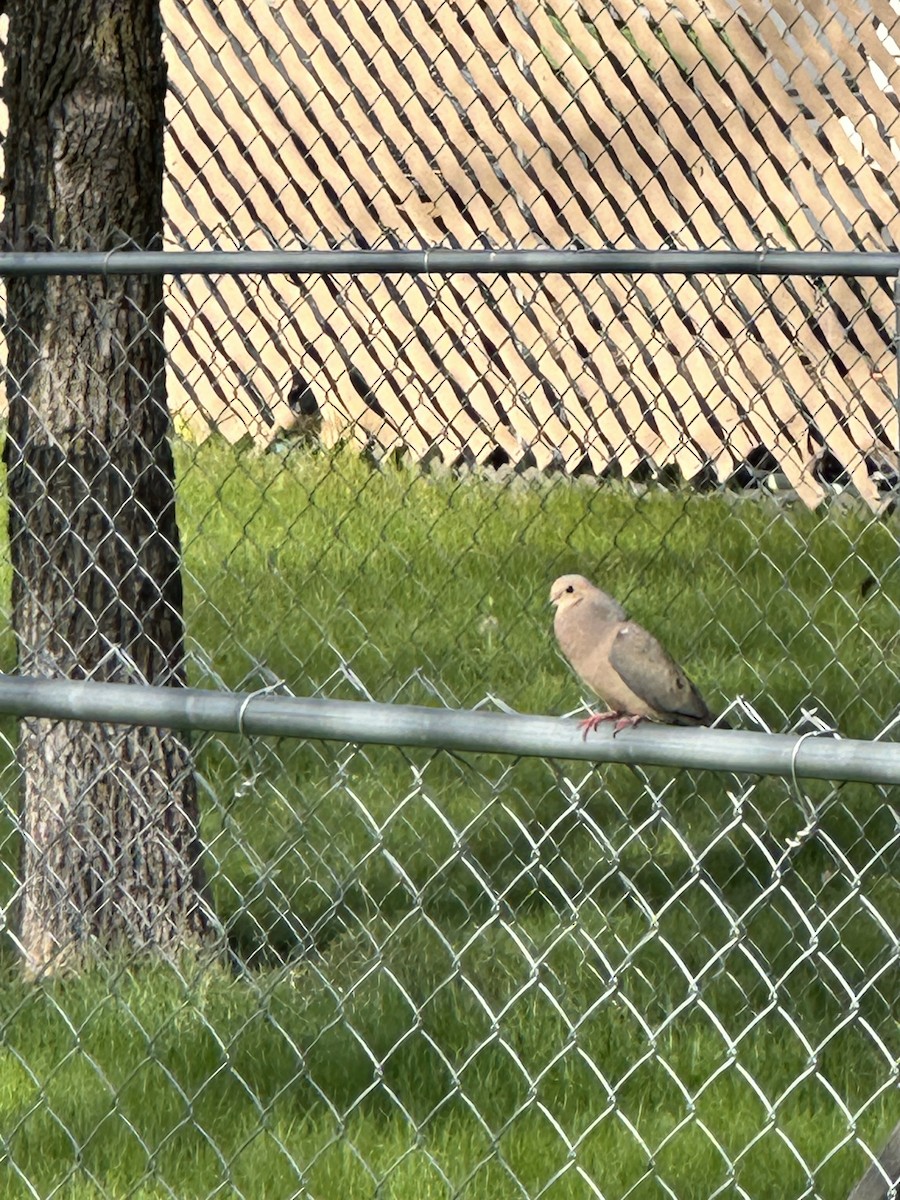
304	559
447	977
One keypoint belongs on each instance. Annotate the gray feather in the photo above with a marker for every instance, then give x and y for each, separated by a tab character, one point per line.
651	673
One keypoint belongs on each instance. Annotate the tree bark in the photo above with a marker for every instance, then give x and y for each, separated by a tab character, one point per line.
111	857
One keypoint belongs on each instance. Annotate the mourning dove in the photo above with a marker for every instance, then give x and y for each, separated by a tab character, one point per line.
620	661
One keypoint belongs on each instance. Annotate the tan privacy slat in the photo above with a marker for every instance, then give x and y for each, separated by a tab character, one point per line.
824	58
685	421
681	394
230	115
874	47
694	414
743	134
704	130
876	102
784	106
373	123
611	34
668	115
795	67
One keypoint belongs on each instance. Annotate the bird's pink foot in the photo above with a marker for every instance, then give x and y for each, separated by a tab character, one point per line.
627	722
595	720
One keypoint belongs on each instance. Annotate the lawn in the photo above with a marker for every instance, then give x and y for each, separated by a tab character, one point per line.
462	975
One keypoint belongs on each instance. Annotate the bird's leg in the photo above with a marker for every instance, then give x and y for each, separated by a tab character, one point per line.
627	722
597	719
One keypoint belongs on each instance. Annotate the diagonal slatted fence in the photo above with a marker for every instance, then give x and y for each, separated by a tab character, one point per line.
494	124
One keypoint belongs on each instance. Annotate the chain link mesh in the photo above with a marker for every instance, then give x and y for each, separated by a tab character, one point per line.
463	975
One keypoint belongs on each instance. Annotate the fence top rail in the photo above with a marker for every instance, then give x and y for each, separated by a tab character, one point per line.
354	721
439	261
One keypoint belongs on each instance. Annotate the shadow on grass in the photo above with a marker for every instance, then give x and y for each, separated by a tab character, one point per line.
500	1052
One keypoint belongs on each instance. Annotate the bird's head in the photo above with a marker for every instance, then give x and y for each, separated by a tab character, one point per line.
569	590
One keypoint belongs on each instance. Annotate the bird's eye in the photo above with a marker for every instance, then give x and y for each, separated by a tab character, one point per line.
570	588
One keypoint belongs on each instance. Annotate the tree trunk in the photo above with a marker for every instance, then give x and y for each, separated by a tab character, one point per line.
109	816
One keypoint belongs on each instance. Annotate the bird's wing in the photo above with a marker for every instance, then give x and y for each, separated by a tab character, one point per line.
651	673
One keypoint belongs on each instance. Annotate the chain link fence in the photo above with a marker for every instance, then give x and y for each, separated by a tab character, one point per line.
495	125
464	973
458	974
